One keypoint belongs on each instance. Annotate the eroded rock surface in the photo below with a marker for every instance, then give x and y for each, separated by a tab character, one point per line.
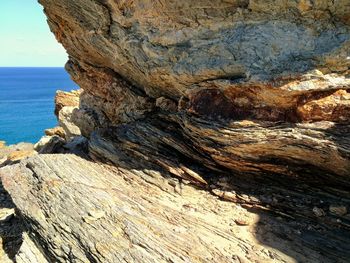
66	99
272	63
83	211
225	123
14	153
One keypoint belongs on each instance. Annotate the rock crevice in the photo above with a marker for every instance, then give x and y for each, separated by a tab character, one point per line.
208	131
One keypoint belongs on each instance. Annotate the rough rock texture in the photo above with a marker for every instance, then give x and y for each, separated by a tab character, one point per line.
11	228
82	211
59	131
165	47
203	108
278	64
49	144
14	153
65	120
66	99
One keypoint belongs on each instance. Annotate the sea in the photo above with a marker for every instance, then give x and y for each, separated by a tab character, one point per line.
27	101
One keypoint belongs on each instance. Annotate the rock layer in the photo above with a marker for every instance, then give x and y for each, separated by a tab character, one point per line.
276	64
15	153
82	211
202	108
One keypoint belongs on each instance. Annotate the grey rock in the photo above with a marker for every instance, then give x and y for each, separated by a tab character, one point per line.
49	144
66	122
29	252
77	210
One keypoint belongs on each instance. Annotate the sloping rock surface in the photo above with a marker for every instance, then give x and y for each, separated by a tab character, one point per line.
83	211
212	131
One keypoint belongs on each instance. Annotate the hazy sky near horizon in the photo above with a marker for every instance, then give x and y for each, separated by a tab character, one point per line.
25	37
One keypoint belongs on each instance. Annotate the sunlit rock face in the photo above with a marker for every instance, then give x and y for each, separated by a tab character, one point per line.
166	47
205	131
270	63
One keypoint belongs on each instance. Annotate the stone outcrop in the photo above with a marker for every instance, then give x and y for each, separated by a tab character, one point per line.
67	103
202	127
282	66
14	153
49	144
83	211
66	122
59	131
66	99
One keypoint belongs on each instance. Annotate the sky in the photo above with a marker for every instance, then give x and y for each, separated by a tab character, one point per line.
25	37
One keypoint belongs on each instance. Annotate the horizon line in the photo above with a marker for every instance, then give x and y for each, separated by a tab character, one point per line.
32	66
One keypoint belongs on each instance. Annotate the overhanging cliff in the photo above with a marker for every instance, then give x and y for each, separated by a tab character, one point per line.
248	101
254	86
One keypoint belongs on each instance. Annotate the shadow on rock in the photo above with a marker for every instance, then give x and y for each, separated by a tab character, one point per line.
296	214
11	226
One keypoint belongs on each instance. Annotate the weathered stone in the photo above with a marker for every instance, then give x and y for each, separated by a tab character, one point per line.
49	144
59	131
249	148
166	104
6	150
19	155
90	212
66	99
14	153
222	62
66	122
115	100
88	120
318	211
338	210
335	107
164	47
78	145
29	252
11	228
248	101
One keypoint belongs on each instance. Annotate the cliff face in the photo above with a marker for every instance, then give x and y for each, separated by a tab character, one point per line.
210	66
247	100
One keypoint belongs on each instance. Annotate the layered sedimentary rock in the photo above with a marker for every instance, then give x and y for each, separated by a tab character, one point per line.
282	66
248	101
66	99
82	211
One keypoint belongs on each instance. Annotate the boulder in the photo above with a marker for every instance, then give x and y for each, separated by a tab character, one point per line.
219	64
66	122
66	99
59	131
49	144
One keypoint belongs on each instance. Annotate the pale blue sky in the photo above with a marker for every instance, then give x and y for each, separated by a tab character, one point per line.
25	38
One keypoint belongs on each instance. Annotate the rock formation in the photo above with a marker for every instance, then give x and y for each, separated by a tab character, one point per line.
66	99
198	116
14	153
280	65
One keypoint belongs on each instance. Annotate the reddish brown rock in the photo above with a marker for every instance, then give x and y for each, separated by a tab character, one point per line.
335	107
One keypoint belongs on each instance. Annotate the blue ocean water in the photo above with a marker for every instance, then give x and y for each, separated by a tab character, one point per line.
27	101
